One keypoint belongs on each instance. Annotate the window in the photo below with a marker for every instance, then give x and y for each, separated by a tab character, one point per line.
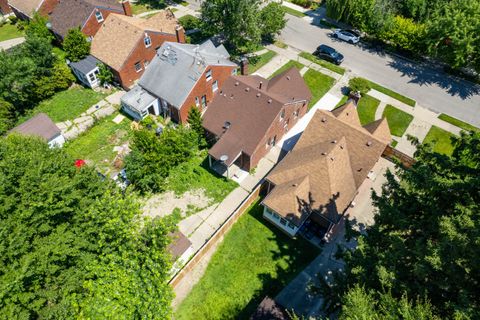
283	222
92	77
291	225
295	114
208	75
99	16
138	66
215	86
197	101
234	72
147	40
204	101
282	115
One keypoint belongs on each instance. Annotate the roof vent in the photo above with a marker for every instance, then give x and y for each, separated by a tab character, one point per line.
227	125
369	143
334	141
258	94
332	158
324	153
269	101
294	185
231	96
237	83
247	89
324	119
341	147
221	91
260	85
288	77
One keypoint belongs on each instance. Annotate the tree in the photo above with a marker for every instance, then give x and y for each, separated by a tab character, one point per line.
40	51
404	34
195	122
424	240
61	79
105	75
272	18
17	80
7	116
37	28
72	245
237	20
76	45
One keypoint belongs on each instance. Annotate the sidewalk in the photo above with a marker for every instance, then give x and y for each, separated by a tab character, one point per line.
7	44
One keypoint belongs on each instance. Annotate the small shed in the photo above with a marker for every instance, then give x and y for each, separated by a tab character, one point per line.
86	70
42	126
181	250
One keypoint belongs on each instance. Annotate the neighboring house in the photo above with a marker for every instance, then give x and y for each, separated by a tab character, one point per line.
86	70
180	77
128	44
42	126
181	250
4	7
24	9
88	15
319	178
251	114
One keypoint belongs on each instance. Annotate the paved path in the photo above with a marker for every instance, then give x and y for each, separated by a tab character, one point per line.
7	44
273	65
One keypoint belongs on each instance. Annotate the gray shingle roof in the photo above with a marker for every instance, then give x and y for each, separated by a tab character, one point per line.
85	65
138	98
176	68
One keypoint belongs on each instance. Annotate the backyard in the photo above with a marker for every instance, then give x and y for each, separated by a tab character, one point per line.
9	31
440	139
398	120
255	259
367	106
66	105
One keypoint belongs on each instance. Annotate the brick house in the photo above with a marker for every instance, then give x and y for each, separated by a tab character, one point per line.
4	7
313	186
251	114
88	15
24	9
128	44
180	77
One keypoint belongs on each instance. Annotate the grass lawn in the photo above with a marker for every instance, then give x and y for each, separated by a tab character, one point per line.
341	102
318	83
398	120
367	106
458	123
256	62
440	139
255	259
280	44
394	143
393	94
323	63
96	144
294	12
9	31
67	105
196	174
139	8
286	66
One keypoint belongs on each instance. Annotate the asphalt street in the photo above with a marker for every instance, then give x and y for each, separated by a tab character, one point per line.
432	89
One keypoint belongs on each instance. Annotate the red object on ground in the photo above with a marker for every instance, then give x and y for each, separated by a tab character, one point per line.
79	163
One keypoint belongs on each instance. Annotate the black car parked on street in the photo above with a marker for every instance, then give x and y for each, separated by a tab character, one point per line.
328	53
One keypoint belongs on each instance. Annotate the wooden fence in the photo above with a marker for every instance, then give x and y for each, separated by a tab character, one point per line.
393	154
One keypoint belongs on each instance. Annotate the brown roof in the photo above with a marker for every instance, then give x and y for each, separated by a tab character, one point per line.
40	125
70	14
119	35
327	165
268	309
250	104
179	244
26	6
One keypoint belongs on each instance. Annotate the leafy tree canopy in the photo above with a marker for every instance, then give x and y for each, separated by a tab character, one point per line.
76	45
71	245
37	27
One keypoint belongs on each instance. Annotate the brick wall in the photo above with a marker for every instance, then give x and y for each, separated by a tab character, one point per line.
127	74
4	7
204	87
91	26
217	236
47	7
278	129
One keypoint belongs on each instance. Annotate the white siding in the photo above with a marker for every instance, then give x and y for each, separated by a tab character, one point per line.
274	218
58	141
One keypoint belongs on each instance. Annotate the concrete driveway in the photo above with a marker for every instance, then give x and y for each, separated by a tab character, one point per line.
431	88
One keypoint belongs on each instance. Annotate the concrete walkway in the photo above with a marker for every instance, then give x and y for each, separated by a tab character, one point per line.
7	44
273	65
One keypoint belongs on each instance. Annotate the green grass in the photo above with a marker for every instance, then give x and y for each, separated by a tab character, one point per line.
66	105
294	12
367	106
9	31
196	174
255	259
398	120
318	83
440	139
341	102
393	94
323	63
394	143
96	144
286	66
256	62
458	123
139	8
62	55
280	44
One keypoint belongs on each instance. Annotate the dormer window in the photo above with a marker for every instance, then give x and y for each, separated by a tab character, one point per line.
147	40
208	75
99	16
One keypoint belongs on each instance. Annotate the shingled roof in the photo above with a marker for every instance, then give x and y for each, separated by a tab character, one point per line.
70	14
250	104
327	165
27	7
119	35
41	126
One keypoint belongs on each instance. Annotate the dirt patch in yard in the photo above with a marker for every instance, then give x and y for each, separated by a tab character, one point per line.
164	204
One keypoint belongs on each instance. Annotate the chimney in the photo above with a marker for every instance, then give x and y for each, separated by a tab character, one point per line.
244	66
127	8
180	33
355	96
260	85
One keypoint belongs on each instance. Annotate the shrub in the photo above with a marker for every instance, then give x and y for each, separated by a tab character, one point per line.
303	3
189	22
13	19
359	84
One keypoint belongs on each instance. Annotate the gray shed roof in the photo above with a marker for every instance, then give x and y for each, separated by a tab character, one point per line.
86	65
138	98
176	68
40	125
